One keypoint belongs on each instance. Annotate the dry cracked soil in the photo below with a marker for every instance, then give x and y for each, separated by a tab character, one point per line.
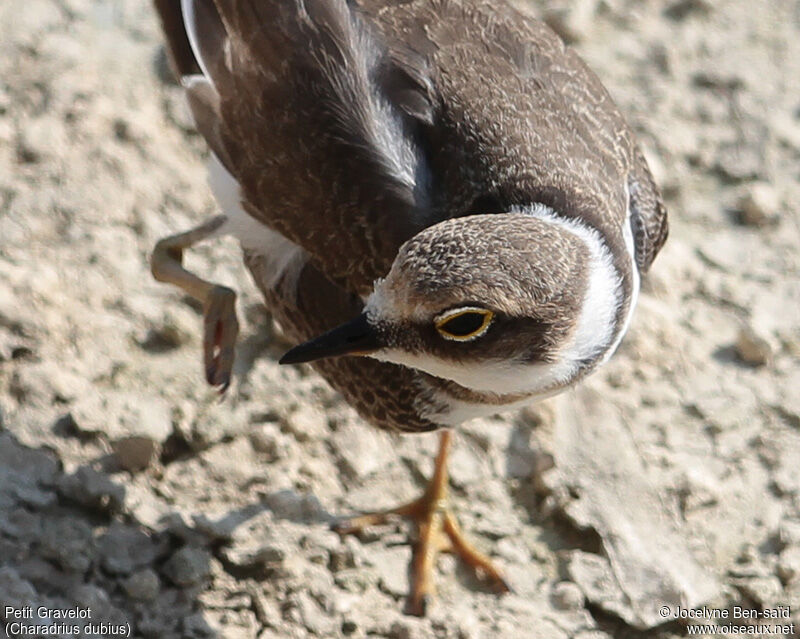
128	490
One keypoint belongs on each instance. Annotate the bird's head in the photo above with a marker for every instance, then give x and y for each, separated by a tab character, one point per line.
496	303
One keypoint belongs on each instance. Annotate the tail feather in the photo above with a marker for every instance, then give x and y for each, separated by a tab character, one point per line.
206	34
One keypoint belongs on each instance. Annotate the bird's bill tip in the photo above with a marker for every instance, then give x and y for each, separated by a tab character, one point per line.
356	337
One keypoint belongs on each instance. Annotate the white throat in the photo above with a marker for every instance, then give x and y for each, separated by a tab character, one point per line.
591	339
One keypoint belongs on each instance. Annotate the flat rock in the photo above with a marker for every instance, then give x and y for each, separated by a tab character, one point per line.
648	563
597	582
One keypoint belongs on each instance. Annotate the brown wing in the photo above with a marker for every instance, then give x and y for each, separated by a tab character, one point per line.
317	120
521	119
648	214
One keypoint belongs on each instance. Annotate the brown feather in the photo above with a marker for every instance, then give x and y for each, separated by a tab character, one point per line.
493	110
179	50
204	104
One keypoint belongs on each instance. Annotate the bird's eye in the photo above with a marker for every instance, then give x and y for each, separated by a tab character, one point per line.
463	324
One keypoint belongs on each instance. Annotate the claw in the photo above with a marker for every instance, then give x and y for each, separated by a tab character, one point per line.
437	531
419	607
220	331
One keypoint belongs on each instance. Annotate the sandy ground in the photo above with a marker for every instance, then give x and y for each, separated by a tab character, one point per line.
670	478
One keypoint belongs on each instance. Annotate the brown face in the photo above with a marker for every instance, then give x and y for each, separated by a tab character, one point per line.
502	288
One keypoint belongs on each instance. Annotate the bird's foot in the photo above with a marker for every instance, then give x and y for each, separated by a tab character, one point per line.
437	531
220	326
220	330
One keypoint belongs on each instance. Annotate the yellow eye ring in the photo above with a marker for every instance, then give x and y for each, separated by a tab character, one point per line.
463	324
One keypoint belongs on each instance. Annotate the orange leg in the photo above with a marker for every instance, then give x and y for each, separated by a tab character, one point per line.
220	325
437	532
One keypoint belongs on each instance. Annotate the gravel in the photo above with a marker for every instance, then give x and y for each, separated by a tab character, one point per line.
128	486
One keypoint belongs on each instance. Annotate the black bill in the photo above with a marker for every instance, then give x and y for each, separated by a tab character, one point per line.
356	337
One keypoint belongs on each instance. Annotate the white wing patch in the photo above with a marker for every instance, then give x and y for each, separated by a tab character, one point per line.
283	259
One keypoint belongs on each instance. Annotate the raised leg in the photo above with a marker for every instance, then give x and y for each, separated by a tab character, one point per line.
220	325
437	531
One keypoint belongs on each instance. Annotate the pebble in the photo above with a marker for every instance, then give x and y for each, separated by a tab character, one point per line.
143	585
789	564
267	610
680	9
789	533
289	504
19	523
135	453
753	348
255	552
568	596
165	337
313	617
759	205
26	465
257	542
268	439
96	598
34	496
342	558
215	424
188	566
